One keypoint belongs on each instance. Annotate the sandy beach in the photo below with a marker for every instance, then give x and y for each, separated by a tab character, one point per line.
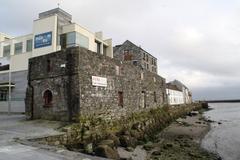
180	141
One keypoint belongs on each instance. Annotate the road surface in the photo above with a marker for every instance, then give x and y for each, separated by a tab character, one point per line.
15	126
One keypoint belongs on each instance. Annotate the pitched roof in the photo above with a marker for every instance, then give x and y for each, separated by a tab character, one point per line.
172	87
131	43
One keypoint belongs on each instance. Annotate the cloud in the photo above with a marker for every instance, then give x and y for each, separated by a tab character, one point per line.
196	42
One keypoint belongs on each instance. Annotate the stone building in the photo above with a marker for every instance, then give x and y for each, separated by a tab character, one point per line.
130	52
77	82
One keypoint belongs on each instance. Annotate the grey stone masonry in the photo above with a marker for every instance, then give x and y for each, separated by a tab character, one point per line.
67	74
128	51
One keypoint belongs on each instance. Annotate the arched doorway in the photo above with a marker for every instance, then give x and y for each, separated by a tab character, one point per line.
48	97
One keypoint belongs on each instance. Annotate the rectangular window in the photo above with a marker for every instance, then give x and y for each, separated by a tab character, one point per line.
120	99
135	62
29	45
49	66
98	44
147	58
18	48
6	51
104	50
82	40
71	39
63	41
155	97
127	55
3	95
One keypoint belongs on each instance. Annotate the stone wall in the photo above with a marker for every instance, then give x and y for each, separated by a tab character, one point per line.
126	132
70	80
131	80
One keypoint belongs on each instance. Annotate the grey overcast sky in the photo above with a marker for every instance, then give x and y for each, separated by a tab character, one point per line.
195	41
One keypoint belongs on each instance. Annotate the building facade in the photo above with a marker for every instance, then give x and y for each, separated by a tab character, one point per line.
175	95
52	31
187	95
132	53
65	85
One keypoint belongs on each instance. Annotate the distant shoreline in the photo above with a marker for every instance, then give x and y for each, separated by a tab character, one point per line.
224	101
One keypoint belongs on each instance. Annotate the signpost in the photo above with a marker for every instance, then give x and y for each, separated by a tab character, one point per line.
43	40
99	81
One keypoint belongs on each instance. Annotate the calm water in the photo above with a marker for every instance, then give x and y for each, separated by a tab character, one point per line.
224	138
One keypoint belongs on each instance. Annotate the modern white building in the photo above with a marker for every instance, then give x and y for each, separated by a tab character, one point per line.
52	31
178	93
175	95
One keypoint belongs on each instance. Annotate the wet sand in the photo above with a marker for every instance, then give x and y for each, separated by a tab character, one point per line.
180	141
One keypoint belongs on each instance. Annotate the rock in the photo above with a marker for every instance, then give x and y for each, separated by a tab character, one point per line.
135	134
130	149
156	153
126	132
193	113
115	139
205	105
126	141
107	152
140	143
167	146
56	143
89	148
148	146
136	126
108	142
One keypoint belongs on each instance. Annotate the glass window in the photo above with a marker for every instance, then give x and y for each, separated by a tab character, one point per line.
18	48
82	41
71	39
3	95
29	45
6	51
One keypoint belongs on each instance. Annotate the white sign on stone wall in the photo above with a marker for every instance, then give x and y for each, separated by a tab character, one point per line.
99	81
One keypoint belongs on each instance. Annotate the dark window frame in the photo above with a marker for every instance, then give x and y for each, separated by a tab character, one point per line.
120	98
29	45
49	66
48	98
155	97
3	95
6	50
18	48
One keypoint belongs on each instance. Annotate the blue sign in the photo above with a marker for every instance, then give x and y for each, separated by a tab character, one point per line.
43	40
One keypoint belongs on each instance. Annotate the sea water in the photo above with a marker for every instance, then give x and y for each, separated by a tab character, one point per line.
224	136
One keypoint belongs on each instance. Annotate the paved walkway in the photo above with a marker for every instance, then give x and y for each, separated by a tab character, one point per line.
15	126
